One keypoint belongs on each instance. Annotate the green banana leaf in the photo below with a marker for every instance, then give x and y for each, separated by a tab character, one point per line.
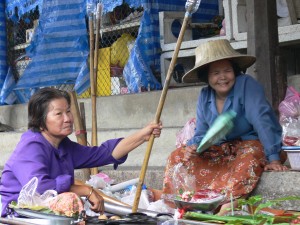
221	126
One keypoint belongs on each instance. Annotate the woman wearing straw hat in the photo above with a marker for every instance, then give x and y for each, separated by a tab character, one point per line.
236	163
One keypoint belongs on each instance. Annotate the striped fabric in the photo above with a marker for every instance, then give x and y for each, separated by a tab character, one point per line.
59	48
3	46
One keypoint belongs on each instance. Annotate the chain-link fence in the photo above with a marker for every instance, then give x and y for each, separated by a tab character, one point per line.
118	32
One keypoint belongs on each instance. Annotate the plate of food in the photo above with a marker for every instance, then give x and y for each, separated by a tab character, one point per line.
202	200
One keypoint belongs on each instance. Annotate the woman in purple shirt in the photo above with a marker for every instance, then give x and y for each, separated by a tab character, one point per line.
234	164
46	152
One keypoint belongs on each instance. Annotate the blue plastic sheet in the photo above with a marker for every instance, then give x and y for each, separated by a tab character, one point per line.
3	47
21	7
146	52
59	48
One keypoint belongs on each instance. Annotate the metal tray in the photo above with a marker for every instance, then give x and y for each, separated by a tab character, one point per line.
209	205
55	219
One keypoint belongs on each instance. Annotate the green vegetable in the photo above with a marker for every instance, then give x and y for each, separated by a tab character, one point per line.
227	219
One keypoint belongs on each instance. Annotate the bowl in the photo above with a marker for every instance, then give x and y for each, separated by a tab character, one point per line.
207	205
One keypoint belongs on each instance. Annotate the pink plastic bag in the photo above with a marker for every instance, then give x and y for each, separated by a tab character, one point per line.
289	110
290	106
186	133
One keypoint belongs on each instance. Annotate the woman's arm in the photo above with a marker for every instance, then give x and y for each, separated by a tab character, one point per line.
91	195
129	143
264	122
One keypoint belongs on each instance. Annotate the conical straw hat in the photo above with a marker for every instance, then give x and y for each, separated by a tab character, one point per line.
212	51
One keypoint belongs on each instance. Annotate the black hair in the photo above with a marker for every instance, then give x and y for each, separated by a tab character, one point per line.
38	106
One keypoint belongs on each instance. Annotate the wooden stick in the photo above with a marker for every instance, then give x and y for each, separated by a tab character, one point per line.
93	87
80	130
158	114
82	115
78	124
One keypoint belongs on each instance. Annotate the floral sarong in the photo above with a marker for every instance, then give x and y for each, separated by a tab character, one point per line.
234	167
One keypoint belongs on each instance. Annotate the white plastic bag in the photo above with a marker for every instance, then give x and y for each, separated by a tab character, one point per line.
29	197
100	181
186	133
129	196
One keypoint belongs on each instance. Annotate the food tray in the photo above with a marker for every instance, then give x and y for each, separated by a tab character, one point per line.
55	219
208	205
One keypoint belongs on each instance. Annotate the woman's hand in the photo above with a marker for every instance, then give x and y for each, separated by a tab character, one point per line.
275	165
152	128
190	151
133	141
97	202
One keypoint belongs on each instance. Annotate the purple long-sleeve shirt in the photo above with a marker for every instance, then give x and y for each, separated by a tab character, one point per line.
34	156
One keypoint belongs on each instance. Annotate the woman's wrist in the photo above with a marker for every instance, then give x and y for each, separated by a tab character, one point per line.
90	193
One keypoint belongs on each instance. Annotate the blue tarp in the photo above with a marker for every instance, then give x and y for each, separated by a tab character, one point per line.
21	7
59	48
3	47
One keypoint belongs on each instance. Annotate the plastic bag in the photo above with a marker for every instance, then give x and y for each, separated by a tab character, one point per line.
119	50
290	106
182	181
100	181
30	198
129	196
289	110
186	133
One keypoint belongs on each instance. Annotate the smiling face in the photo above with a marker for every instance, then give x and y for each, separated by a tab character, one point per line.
221	77
59	121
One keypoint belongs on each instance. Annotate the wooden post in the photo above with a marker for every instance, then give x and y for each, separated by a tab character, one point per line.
80	130
262	37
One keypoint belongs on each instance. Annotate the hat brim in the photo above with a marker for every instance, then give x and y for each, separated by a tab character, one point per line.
242	61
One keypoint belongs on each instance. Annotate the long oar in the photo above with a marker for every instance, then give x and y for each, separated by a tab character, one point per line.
93	87
94	74
191	6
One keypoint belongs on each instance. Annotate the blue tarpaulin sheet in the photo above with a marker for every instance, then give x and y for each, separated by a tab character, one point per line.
3	47
59	48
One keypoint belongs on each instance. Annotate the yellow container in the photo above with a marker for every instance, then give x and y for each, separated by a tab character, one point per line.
103	73
103	85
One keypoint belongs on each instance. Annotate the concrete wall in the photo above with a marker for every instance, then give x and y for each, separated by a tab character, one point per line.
119	116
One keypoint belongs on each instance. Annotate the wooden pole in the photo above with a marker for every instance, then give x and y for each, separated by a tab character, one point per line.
263	43
159	110
80	130
78	124
93	87
82	115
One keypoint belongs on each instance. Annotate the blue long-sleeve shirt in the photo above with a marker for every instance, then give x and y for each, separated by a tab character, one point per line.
255	117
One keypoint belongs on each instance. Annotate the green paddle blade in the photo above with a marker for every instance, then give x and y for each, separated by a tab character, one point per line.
221	126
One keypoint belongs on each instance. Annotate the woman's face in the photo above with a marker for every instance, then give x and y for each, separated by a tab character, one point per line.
221	77
59	120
